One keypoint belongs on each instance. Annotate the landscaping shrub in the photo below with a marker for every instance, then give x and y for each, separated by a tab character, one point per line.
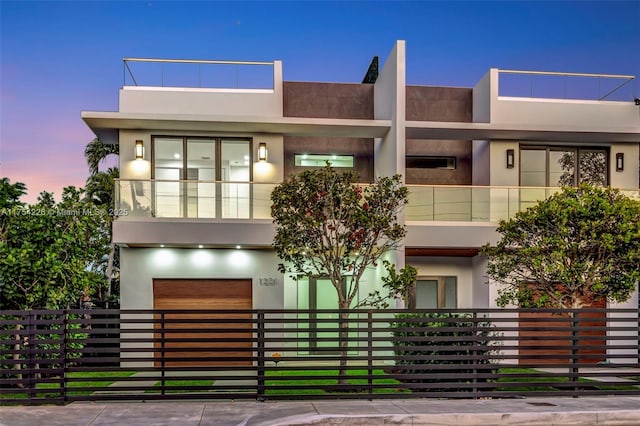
447	339
45	348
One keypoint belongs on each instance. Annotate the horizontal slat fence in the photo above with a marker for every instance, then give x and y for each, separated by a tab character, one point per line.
61	356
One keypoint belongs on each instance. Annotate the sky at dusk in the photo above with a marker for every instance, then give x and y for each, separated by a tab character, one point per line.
60	58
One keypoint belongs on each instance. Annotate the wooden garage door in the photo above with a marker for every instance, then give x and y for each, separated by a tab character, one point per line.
234	294
551	341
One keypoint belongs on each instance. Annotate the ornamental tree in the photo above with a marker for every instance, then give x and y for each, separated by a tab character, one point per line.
577	246
327	225
51	254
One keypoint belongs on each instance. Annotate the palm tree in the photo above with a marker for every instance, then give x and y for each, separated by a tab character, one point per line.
97	152
10	193
100	186
99	189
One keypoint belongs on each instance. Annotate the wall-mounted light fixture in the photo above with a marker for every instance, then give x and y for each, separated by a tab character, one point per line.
511	159
139	150
262	152
619	161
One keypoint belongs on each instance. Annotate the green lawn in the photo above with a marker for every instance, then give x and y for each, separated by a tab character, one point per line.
324	386
533	380
54	387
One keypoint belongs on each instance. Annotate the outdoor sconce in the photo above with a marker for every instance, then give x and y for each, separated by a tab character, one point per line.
511	159
619	162
139	150
262	152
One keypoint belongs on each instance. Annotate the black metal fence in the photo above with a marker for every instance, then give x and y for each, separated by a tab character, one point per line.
78	355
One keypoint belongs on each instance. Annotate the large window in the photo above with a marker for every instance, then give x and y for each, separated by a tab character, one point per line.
201	177
548	166
319	293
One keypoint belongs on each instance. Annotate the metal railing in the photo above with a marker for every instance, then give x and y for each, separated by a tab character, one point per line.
251	200
566	85
193	73
98	355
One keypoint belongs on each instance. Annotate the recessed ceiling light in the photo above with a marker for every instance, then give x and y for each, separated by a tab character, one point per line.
246	157
161	245
176	155
200	246
238	247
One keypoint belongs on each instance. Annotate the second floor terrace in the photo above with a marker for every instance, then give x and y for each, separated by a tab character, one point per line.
202	201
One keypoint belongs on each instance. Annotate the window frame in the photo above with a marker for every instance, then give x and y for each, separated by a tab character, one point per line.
300	154
441	291
218	153
578	152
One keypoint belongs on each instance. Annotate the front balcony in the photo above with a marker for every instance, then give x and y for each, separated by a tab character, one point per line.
190	199
136	199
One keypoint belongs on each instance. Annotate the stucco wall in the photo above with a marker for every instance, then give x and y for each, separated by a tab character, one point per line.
360	148
328	100
461	150
427	103
139	266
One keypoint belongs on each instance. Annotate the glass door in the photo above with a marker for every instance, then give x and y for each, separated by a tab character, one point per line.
235	168
201	176
168	163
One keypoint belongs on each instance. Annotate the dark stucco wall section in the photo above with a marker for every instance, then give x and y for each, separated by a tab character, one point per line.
328	100
426	103
361	148
445	148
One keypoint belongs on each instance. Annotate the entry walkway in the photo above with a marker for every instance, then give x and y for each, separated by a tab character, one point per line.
617	410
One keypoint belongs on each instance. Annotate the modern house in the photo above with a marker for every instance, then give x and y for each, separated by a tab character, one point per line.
198	162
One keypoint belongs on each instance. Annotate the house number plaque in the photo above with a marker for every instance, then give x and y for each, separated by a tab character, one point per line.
268	282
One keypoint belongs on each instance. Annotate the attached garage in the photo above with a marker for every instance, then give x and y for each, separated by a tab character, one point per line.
201	328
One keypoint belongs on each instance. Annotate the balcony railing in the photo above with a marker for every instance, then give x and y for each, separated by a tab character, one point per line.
566	85
198	73
251	200
193	199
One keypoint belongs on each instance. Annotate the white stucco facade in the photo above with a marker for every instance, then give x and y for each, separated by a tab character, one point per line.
444	245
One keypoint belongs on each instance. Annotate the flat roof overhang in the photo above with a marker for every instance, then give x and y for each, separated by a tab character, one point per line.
106	125
496	131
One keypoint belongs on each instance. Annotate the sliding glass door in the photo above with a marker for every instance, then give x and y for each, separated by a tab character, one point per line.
198	177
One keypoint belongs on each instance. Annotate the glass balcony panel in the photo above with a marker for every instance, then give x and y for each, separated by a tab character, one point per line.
420	206
168	199
452	204
236	200
240	200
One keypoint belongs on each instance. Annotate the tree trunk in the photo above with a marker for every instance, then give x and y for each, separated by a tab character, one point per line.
17	364
344	342
109	271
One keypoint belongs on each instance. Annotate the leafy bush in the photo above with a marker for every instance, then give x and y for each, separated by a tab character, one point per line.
425	341
45	347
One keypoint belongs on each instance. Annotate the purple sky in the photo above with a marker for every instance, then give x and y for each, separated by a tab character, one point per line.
60	58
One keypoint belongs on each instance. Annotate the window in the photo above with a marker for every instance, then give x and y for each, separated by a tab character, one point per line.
320	160
436	293
563	166
319	293
201	177
430	162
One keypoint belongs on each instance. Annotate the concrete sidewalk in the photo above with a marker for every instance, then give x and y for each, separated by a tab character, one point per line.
534	411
